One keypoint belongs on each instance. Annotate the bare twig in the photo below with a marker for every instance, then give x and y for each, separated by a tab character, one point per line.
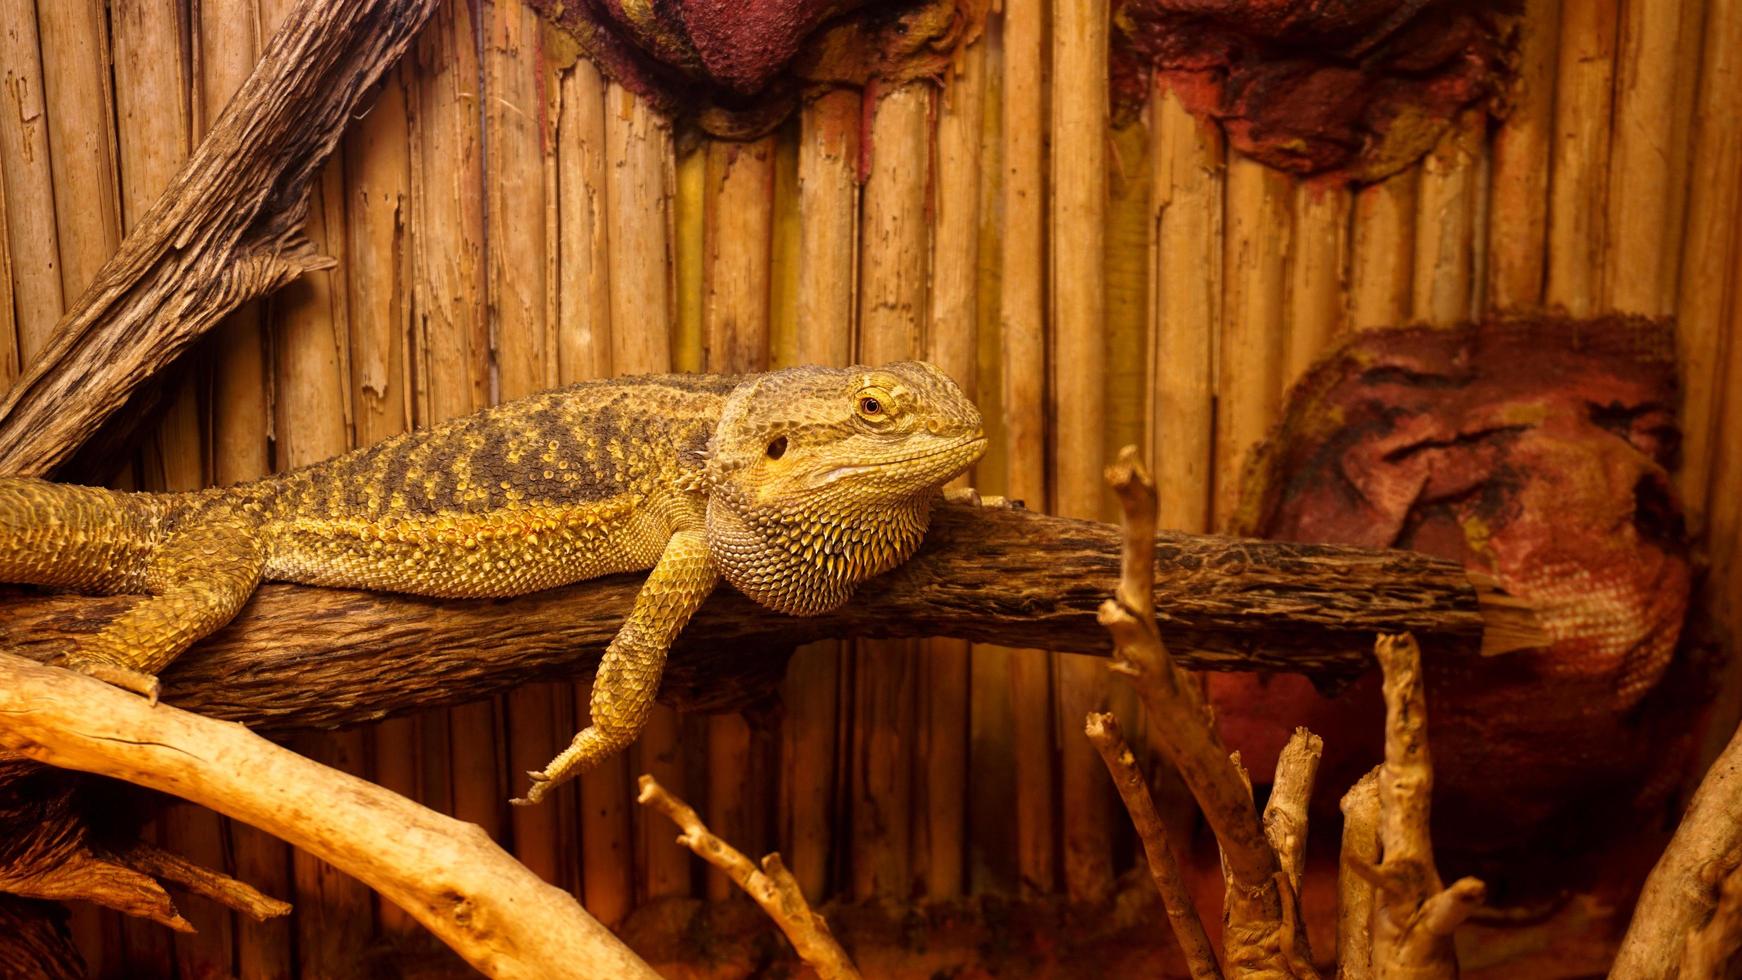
772	887
1285	813
1681	891
1413	931
1182	914
1360	852
447	874
214	885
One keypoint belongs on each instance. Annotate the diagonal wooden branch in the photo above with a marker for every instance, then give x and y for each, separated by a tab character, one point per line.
451	877
1182	912
772	886
301	657
1682	890
228	228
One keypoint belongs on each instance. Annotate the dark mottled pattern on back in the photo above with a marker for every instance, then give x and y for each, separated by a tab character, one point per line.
586	442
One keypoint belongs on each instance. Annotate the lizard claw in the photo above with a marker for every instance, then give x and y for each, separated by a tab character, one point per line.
540	784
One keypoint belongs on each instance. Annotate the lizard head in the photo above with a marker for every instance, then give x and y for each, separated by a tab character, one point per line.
819	478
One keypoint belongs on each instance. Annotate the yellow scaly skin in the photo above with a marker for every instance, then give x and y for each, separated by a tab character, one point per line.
794	486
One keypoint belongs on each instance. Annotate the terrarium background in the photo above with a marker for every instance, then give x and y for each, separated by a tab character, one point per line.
505	220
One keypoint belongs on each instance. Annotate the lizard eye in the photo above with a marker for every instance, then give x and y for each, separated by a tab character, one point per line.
777	448
870	406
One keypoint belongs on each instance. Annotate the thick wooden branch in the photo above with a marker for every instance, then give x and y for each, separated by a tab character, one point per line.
228	228
446	873
1682	890
301	657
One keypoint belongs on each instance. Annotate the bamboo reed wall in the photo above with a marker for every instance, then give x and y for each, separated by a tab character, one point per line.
506	219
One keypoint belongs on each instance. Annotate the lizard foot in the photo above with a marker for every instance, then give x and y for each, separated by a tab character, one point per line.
973	498
125	678
591	747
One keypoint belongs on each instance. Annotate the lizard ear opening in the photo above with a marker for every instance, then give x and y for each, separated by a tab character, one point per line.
777	448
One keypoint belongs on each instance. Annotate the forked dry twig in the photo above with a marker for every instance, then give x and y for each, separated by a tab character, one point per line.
771	886
1254	940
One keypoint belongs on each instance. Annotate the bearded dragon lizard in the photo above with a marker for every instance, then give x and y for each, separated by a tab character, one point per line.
794	486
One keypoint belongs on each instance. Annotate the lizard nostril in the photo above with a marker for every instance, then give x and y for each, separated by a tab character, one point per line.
777	448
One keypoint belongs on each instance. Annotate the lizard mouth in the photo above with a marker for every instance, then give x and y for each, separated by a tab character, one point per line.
840	472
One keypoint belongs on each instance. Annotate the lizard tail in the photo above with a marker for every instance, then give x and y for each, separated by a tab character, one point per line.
84	538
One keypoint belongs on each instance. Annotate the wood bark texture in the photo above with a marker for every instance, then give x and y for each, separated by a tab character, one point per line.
228	228
299	657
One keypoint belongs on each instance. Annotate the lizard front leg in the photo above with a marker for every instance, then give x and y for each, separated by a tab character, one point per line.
629	672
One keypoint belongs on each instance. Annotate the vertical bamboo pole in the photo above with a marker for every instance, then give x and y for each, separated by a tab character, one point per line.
1517	227
377	162
31	238
8	317
992	761
227	44
1186	209
583	318
519	293
1724	528
1382	252
1640	247
1249	374
1578	190
1079	368
1316	279
892	307
783	326
828	210
1022	320
76	76
1715	207
1445	224
639	174
737	251
952	344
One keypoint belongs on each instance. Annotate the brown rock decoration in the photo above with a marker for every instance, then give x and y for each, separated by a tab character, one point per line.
1354	89
738	67
1534	451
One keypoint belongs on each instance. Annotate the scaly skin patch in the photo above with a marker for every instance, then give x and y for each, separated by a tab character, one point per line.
794	486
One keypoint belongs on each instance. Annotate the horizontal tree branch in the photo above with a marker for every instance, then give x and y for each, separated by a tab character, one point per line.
300	657
228	228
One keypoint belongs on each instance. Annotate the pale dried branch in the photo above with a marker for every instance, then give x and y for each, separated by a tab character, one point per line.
1416	914
1182	913
1360	852
1682	889
772	887
451	877
1713	946
1285	813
